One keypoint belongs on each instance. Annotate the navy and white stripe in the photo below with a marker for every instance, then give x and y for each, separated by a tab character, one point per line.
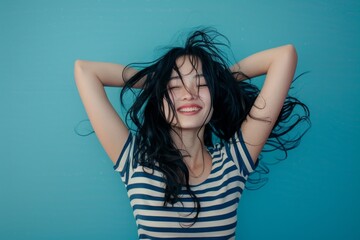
219	195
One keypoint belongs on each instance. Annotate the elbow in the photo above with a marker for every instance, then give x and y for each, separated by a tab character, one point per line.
287	55
79	69
290	51
79	64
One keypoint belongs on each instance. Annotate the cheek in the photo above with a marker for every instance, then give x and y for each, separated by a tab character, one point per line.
205	97
168	113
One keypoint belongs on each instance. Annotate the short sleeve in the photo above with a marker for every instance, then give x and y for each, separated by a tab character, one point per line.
239	152
123	164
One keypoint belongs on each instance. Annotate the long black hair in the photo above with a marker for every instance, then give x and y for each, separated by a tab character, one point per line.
231	101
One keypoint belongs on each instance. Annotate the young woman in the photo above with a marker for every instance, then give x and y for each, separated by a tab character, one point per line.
199	131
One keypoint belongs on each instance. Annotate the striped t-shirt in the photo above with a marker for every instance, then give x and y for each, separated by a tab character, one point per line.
219	195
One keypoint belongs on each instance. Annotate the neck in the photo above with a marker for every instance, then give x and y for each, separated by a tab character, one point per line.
196	157
191	143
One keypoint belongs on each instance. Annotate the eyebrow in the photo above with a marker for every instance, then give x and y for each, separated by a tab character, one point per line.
178	77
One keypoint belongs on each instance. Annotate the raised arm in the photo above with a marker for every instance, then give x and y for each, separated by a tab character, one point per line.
90	78
279	65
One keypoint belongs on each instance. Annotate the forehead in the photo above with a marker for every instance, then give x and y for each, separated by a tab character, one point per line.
187	64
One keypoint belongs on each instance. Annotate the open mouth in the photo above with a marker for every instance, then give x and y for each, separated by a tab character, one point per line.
189	109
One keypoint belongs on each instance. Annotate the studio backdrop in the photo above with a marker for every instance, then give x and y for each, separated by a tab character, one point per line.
56	184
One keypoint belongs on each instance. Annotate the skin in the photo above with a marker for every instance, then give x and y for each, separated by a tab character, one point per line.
191	98
190	95
278	64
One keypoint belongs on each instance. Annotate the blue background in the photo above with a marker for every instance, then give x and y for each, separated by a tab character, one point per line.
57	185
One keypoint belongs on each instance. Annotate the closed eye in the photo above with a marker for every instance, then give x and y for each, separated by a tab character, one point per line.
201	80
172	88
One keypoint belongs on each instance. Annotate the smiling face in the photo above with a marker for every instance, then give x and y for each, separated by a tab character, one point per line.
189	95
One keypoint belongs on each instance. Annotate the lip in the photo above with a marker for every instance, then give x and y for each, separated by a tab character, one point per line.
189	109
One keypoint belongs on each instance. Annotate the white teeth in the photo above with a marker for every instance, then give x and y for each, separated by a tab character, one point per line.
191	109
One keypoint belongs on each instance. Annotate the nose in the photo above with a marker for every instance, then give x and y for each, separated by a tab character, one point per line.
189	93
